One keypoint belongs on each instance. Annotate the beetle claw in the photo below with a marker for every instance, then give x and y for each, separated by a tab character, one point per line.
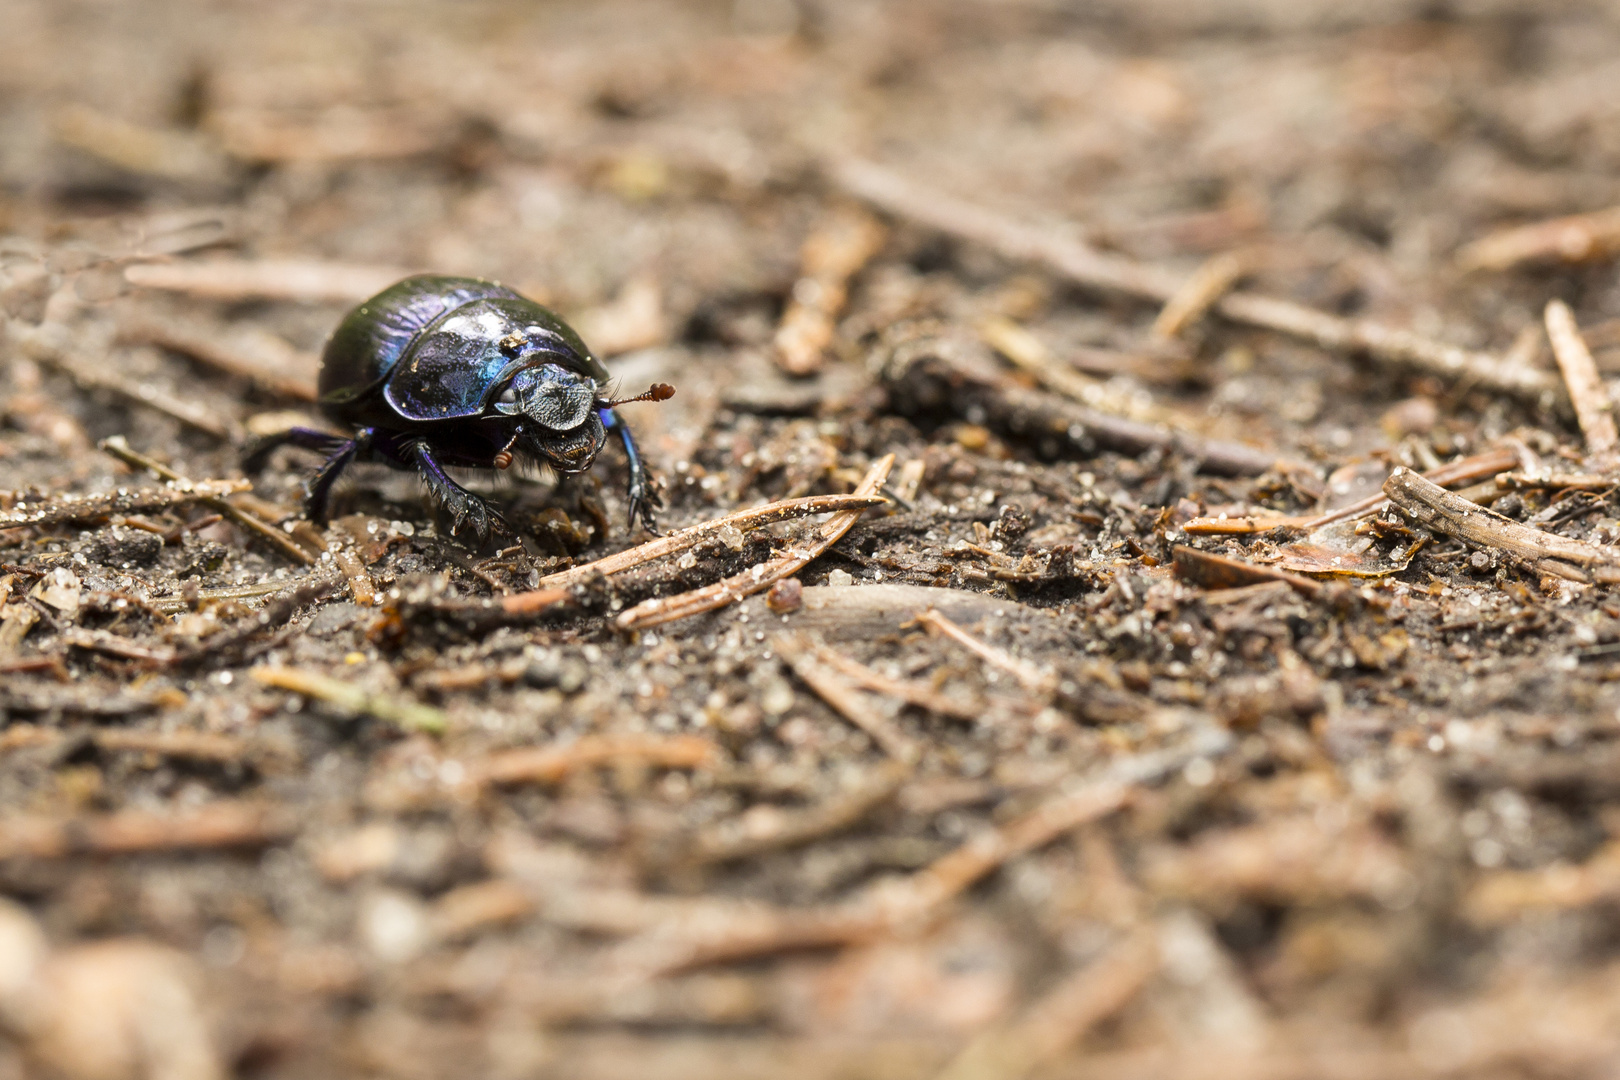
644	504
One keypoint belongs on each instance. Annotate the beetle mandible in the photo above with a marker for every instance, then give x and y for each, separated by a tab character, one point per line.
439	371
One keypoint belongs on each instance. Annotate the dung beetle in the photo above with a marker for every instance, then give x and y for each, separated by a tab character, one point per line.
439	371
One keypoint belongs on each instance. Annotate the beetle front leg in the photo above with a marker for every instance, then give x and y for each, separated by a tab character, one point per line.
641	495
462	505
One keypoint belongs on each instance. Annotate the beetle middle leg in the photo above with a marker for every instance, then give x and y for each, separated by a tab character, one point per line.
643	498
340	453
324	442
461	504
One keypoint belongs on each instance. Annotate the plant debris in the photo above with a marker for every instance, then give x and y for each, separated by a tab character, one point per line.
1139	597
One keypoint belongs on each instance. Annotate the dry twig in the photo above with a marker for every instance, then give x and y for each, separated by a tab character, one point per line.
667	609
1033	678
1593	409
91	508
835	252
908	691
361	587
217	825
347	697
730	932
118	448
1209	571
1488	464
48	347
1576	238
929	370
1062	1016
1030	354
250	353
1200	292
550	764
1436	508
743	520
844	698
1085	266
767	828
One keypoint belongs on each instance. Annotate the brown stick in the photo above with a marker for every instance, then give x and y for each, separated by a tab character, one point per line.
944	379
1436	508
1576	238
361	587
667	609
844	698
1209	571
86	508
1200	292
1465	470
1033	678
1062	1016
347	697
549	764
1593	409
912	693
752	518
1085	266
107	376
217	825
258	355
118	448
745	835
736	932
1030	354
833	253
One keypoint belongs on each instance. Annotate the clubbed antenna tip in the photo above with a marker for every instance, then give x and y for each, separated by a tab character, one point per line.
658	392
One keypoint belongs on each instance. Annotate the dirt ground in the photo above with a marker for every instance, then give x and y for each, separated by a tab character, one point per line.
1092	751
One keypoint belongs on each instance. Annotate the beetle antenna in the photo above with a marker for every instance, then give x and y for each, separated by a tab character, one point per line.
658	392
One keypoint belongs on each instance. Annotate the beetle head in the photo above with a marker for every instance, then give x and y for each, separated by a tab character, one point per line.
549	396
557	418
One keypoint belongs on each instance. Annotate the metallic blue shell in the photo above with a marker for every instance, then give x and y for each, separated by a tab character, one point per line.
370	340
433	346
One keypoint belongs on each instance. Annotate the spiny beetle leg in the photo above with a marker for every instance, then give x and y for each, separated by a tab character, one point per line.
642	497
462	505
323	442
318	491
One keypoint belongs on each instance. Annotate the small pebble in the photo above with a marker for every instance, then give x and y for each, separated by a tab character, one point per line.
787	595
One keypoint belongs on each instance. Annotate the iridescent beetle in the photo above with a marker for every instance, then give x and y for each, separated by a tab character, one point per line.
450	371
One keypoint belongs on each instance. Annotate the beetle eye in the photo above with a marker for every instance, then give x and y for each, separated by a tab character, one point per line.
507	401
